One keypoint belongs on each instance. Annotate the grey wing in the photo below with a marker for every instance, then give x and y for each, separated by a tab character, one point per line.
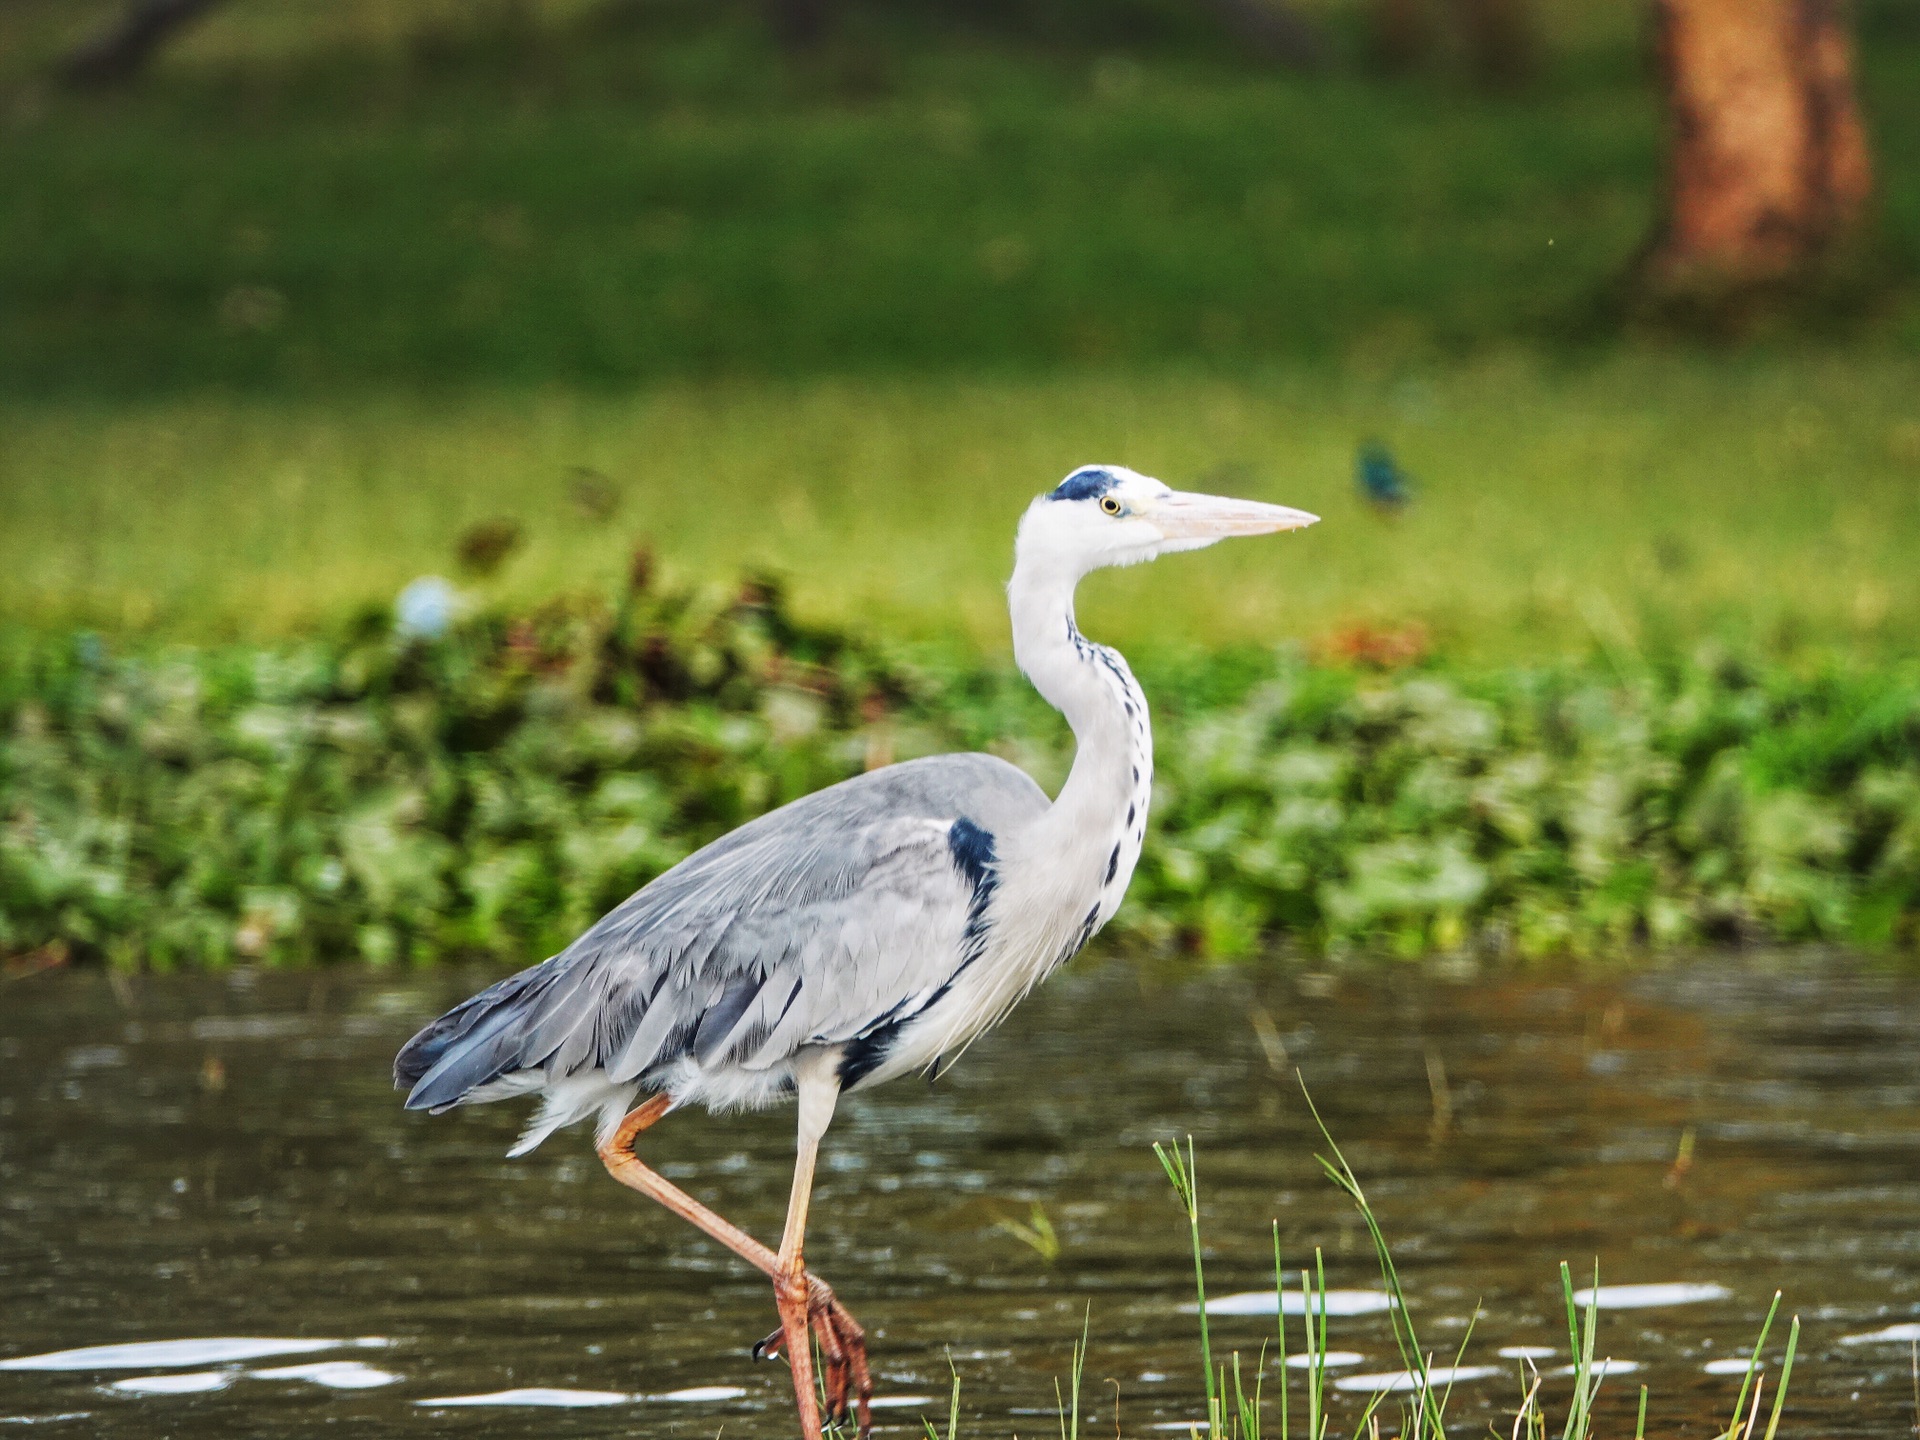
819	922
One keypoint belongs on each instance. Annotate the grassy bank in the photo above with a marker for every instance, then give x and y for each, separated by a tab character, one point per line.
494	790
1774	502
324	196
585	203
338	280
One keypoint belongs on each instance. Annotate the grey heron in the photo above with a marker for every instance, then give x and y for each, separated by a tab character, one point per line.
860	933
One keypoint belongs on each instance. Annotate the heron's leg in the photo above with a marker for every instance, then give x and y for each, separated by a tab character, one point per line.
616	1153
806	1302
842	1340
819	1087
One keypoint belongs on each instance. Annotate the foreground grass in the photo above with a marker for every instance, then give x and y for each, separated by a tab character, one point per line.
1240	1405
1237	1407
1773	501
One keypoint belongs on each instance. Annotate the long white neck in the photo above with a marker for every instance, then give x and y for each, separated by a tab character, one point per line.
1062	876
1085	847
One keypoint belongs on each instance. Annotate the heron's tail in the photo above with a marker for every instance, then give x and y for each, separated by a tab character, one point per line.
471	1046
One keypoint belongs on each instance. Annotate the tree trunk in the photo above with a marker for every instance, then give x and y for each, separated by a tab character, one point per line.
121	52
1768	172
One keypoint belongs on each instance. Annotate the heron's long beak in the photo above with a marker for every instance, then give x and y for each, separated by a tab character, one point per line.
1184	516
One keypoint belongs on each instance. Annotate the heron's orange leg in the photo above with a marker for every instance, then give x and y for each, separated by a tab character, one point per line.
616	1153
807	1304
843	1344
804	1302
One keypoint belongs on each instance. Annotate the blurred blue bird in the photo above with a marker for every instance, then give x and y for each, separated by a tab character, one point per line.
1382	483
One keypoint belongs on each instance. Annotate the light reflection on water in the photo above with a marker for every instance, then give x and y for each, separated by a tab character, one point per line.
208	1163
1650	1296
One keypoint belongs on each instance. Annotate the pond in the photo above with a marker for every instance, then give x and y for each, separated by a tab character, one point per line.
213	1159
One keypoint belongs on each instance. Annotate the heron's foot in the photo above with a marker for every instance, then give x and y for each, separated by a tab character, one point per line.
843	1348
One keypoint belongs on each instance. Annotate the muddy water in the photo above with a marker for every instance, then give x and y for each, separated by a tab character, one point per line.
217	1160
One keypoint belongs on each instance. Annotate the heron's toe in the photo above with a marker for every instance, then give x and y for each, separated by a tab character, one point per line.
769	1348
843	1351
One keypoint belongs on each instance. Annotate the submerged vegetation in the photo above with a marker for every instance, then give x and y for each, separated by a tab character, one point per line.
490	783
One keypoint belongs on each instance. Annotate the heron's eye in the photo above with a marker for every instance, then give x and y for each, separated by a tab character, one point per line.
1109	504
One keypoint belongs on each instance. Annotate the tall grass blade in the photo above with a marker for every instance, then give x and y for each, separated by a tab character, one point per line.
1585	1385
1786	1375
1183	1174
1315	1297
1433	1420
1753	1365
1459	1355
1280	1323
1079	1370
1573	1324
1529	1416
1247	1407
953	1407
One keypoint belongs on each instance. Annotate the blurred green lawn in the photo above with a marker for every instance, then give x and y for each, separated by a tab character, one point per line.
273	328
524	216
1629	502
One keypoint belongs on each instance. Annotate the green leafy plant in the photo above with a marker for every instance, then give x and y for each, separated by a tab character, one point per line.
493	790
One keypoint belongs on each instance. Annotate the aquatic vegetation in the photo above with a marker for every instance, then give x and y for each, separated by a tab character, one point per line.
1236	1402
1036	1233
1427	1387
490	790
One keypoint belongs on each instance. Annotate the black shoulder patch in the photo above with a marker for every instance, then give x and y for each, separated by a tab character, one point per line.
867	1051
972	850
1089	482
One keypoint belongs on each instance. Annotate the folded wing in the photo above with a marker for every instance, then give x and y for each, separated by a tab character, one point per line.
818	923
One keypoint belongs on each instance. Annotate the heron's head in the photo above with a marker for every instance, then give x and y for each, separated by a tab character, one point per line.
1109	515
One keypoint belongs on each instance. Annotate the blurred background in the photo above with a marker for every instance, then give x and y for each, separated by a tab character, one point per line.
1580	320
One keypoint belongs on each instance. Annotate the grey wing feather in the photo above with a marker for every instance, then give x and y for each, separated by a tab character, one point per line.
811	924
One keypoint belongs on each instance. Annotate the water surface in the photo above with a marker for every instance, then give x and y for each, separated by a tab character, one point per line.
220	1160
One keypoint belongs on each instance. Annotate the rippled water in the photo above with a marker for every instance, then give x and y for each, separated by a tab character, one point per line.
217	1165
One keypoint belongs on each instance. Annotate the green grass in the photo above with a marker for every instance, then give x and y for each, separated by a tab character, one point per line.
1240	1409
568	201
343	278
603	194
1774	500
